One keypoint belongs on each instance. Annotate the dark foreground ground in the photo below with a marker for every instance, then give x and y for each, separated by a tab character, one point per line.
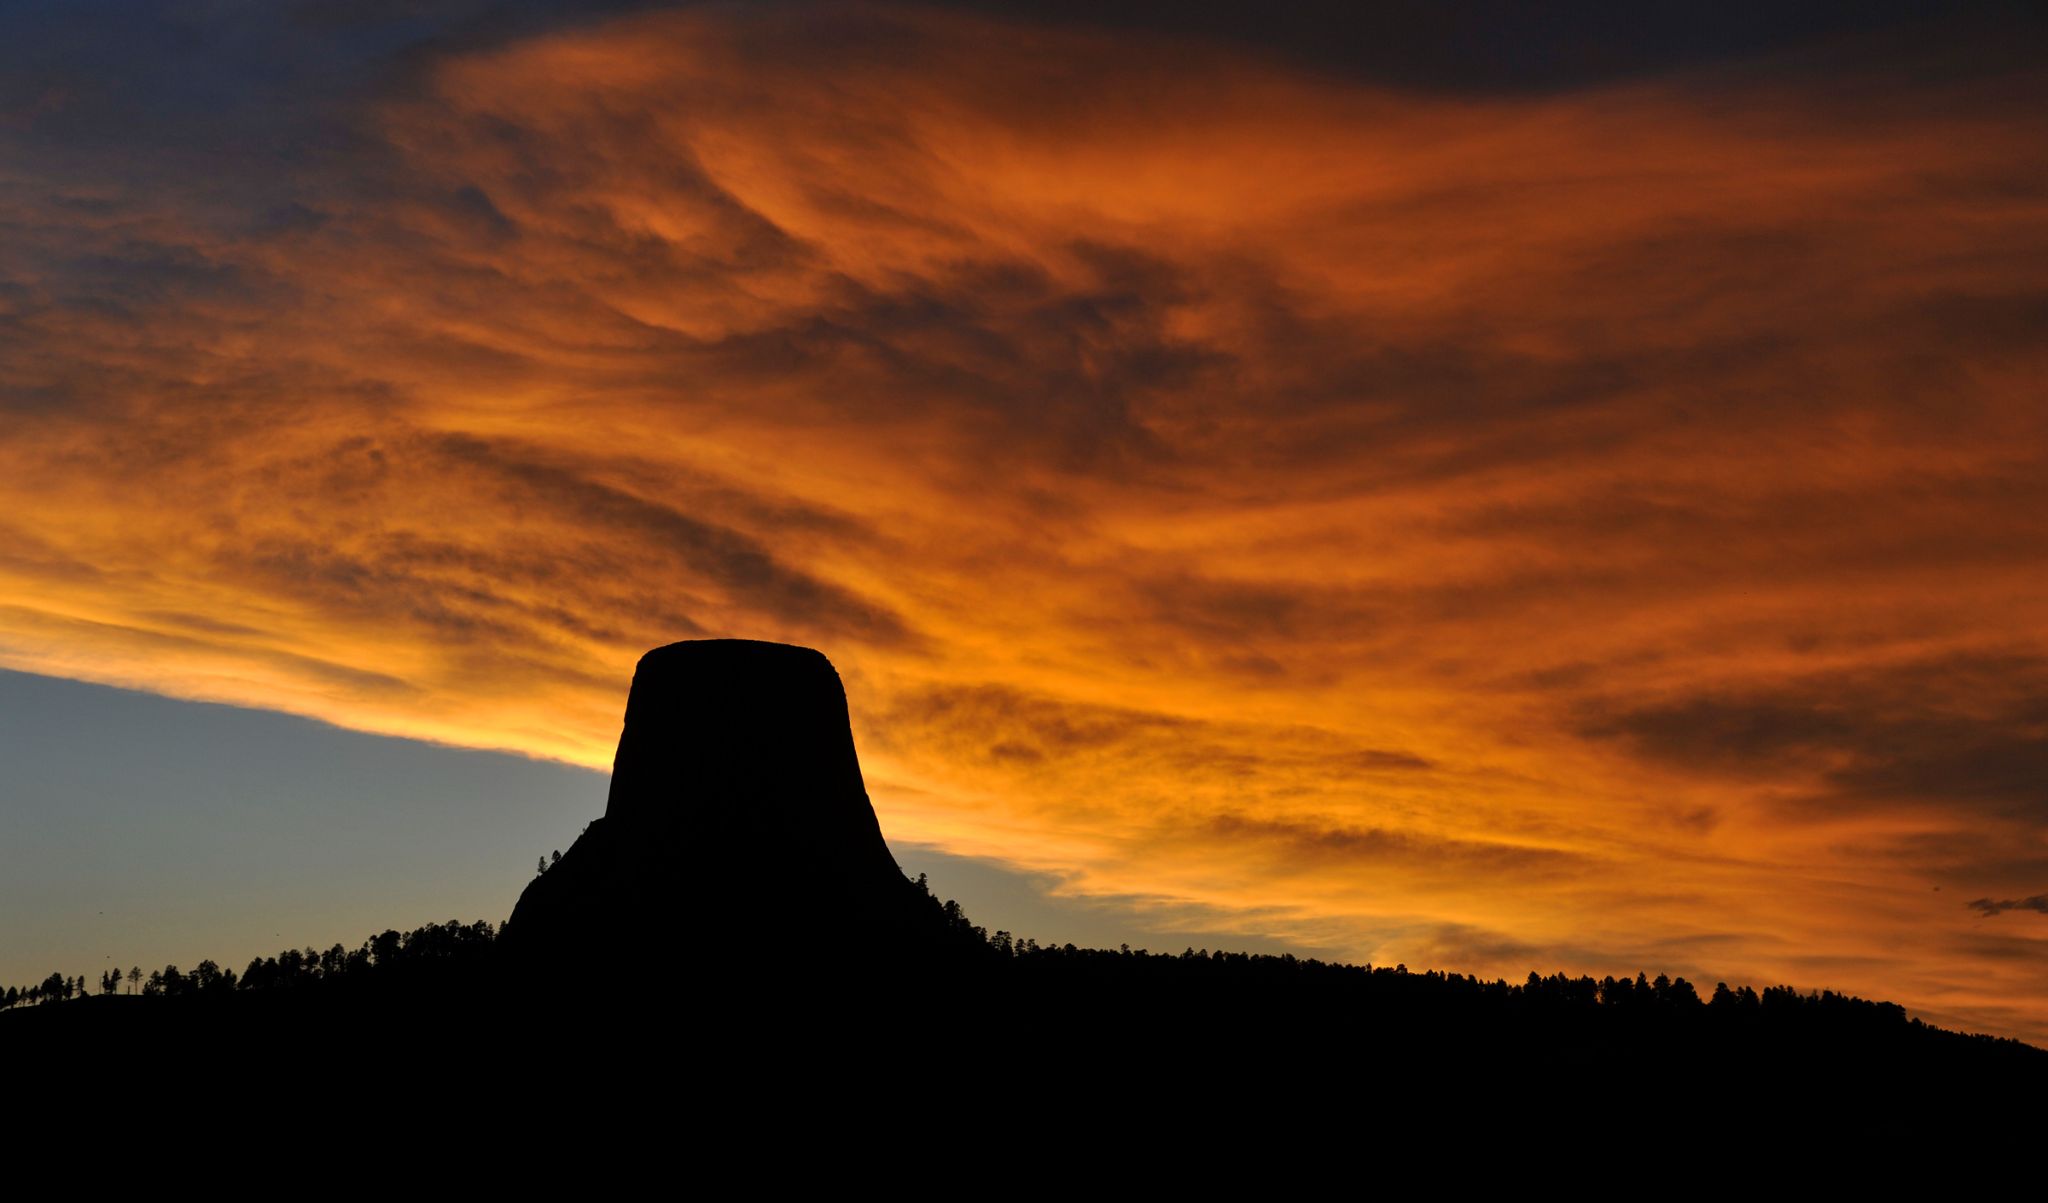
1036	1020
1133	1074
796	1059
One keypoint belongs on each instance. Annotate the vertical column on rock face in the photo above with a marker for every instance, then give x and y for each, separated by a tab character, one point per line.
744	742
737	818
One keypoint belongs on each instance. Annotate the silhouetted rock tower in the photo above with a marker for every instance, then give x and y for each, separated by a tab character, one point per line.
737	825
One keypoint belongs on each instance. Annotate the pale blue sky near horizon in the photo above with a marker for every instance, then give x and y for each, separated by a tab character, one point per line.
137	829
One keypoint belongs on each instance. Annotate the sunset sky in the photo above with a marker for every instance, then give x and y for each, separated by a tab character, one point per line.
1408	482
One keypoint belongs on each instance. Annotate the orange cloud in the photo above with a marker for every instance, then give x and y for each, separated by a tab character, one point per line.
1592	530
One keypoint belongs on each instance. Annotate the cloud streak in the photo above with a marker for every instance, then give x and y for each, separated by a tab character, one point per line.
1988	906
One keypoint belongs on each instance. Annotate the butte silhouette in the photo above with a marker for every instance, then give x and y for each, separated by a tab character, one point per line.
737	822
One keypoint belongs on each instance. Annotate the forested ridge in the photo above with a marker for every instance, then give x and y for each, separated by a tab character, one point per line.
1077	982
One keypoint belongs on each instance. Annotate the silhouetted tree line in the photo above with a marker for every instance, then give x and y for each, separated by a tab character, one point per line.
384	955
1120	992
54	988
1205	987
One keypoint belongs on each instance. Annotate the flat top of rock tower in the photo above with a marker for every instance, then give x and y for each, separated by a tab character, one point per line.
704	653
738	725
